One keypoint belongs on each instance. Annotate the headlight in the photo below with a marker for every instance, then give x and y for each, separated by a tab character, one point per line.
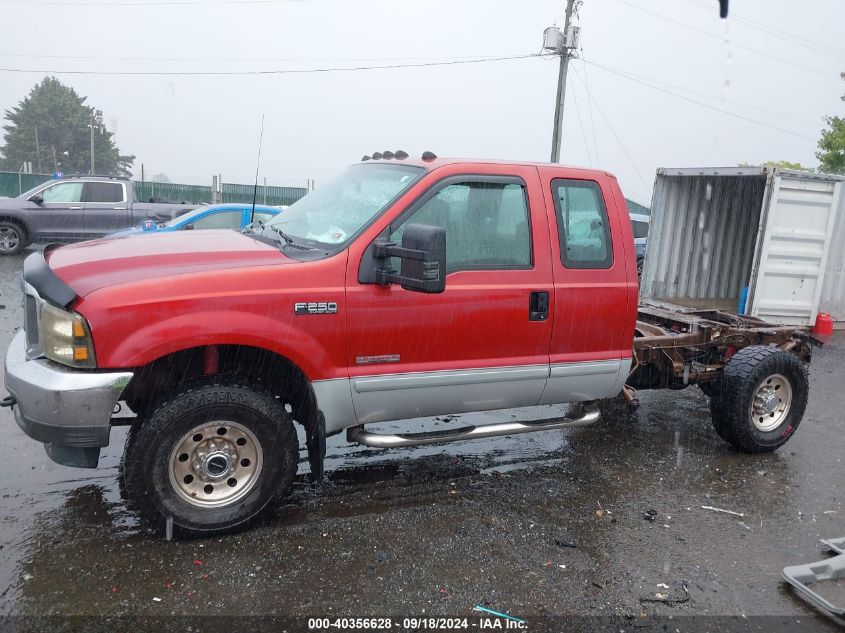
66	338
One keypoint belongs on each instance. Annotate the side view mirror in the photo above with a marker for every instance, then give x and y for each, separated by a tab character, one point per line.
422	256
37	199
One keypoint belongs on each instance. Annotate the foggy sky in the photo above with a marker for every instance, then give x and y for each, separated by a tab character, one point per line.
193	127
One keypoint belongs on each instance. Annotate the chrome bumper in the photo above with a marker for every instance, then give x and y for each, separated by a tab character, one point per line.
68	410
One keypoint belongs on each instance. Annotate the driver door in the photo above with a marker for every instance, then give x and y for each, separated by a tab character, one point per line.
477	345
61	214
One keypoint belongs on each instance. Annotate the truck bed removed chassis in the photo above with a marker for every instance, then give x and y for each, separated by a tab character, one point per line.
675	347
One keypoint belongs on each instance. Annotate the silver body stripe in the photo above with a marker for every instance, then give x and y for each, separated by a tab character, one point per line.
367	399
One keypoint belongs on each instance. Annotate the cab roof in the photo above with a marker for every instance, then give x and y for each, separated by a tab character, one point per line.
430	164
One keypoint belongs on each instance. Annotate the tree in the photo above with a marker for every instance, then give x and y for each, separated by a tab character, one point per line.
781	164
162	177
62	122
831	152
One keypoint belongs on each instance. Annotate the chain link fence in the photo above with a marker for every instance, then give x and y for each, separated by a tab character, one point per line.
13	184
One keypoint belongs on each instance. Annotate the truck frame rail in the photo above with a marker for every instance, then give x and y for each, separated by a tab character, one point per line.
675	347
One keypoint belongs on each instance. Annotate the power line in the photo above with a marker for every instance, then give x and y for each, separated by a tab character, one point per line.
704	94
581	125
783	60
702	104
590	109
613	131
253	60
288	71
771	30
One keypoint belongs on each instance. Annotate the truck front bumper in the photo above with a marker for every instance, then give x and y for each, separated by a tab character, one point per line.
69	410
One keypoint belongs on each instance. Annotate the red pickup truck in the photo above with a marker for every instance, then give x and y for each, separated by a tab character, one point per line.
402	288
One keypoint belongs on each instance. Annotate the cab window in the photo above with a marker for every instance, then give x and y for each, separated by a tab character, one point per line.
104	192
640	229
487	226
223	220
63	192
582	224
263	216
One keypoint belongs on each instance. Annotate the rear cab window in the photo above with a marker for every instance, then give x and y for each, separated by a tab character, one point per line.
583	229
640	229
105	192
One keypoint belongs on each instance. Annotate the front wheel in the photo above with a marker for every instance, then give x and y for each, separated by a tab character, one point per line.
13	238
212	456
758	401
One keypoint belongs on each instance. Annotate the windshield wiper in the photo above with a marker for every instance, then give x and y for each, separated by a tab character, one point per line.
288	240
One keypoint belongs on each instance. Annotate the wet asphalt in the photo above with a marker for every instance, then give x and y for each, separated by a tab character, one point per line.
598	521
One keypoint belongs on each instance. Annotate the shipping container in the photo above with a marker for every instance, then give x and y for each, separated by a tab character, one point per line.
753	240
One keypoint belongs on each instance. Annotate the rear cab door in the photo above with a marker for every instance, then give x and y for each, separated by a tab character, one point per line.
106	207
481	344
595	285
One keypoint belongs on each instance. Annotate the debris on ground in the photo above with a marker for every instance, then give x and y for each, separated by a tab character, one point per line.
835	544
802	576
668	598
711	508
478	607
650	515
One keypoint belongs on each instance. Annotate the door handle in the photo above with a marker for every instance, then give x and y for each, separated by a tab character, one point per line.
538	305
75	208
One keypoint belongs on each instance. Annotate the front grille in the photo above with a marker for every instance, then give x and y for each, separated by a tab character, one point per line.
30	324
32	305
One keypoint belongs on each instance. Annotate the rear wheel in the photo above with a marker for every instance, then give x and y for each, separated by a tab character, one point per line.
212	455
758	401
13	238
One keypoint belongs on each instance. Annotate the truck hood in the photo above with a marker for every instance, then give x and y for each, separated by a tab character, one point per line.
100	263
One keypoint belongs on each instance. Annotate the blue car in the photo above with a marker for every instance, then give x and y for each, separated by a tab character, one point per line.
215	216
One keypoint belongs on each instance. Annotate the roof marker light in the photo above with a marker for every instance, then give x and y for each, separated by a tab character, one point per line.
426	155
401	154
377	156
388	154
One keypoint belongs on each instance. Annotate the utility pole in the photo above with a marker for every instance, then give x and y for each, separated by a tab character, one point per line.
92	144
38	151
95	114
563	44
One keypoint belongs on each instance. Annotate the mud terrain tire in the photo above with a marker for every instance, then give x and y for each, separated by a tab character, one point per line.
213	455
758	401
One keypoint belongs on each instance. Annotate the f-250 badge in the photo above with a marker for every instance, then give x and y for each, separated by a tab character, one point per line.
315	307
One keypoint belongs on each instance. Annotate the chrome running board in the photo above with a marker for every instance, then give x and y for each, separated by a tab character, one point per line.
382	440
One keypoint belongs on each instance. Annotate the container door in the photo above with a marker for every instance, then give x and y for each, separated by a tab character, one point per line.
796	225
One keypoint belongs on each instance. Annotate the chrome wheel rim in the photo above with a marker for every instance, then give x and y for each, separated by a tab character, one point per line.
9	239
771	403
215	464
